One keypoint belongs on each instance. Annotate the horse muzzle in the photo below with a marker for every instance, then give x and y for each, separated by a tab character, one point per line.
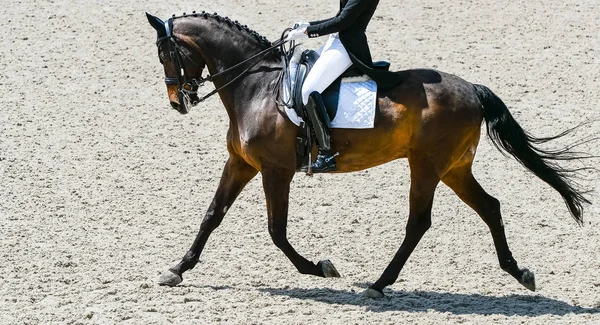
180	108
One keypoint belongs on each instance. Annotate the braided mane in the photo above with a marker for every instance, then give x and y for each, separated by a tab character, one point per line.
263	41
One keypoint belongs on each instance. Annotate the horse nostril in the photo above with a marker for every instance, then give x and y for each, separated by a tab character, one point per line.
175	105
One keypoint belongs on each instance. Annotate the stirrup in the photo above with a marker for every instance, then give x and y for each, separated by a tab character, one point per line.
324	164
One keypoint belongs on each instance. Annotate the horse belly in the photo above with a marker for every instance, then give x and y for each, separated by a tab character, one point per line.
365	148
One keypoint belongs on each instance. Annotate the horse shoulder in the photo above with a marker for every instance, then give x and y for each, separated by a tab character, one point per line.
264	139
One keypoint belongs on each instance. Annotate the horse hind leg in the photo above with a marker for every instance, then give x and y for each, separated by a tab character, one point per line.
461	181
423	182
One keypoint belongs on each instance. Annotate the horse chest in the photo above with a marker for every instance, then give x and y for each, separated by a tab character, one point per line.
244	145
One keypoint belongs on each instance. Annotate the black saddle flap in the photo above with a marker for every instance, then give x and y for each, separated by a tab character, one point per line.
305	64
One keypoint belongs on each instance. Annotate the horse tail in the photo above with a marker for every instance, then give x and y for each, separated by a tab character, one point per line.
507	134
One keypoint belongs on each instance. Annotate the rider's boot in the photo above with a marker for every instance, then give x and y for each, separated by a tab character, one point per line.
320	122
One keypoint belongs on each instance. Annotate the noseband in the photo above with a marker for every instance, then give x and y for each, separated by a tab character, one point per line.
186	87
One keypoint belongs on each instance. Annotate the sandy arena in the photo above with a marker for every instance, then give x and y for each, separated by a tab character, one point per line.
103	185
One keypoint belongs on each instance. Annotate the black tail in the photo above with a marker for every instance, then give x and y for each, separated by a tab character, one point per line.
507	134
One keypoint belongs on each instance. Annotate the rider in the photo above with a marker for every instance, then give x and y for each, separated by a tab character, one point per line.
347	45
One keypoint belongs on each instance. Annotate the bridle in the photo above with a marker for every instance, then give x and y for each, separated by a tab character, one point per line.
188	87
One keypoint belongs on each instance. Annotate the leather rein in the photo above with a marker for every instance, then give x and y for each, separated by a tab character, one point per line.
186	87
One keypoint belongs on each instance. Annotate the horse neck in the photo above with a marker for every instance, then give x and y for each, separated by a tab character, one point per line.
223	46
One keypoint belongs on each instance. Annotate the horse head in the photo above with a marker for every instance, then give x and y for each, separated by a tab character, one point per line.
182	63
229	51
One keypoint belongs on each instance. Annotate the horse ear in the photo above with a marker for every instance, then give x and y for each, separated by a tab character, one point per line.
157	24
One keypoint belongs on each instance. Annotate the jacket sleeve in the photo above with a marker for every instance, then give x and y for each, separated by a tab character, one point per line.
317	22
348	15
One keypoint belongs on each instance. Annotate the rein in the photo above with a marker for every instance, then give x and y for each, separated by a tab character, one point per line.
259	55
187	87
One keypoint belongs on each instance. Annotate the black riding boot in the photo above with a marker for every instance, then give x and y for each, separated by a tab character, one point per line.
319	120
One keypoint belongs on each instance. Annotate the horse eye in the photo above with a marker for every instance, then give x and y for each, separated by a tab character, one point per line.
162	55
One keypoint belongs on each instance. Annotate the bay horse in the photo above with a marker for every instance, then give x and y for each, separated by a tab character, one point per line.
432	118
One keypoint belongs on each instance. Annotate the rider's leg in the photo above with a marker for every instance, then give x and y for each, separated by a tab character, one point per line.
320	122
334	60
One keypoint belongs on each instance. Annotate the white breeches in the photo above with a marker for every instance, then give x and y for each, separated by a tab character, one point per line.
334	60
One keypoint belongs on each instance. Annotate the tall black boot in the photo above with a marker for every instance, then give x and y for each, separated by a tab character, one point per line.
320	122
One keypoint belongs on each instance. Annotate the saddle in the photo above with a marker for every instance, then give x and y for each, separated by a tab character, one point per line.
305	62
331	95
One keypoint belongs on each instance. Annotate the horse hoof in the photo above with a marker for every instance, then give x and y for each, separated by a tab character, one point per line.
328	269
169	279
528	280
372	293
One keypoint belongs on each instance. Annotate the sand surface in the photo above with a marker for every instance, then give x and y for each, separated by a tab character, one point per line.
103	186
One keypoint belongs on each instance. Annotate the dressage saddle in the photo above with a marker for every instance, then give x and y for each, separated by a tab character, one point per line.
305	61
331	95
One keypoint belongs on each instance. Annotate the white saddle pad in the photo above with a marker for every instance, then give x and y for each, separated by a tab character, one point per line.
356	104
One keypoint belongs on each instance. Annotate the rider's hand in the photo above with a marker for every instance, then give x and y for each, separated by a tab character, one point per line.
295	34
301	24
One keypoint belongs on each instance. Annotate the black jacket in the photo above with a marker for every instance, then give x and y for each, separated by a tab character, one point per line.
351	23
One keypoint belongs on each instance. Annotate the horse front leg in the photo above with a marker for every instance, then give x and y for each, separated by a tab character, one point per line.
276	184
236	174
